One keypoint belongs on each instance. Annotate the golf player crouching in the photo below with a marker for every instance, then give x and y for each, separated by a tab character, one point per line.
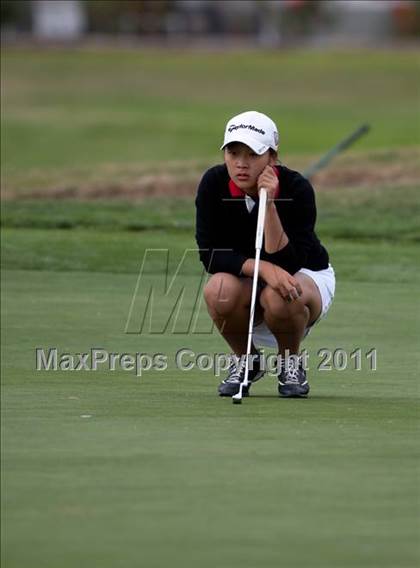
296	283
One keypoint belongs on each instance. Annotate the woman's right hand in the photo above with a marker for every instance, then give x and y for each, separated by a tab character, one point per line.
283	282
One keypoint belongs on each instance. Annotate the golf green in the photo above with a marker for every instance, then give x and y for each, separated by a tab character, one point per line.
103	151
106	468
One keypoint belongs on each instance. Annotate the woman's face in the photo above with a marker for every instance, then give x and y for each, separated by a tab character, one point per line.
245	166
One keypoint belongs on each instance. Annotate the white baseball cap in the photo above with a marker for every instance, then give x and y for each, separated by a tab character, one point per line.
254	129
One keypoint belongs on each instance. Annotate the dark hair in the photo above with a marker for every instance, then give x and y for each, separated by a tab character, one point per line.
274	153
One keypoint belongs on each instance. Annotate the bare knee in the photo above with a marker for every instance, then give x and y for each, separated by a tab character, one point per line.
223	293
273	304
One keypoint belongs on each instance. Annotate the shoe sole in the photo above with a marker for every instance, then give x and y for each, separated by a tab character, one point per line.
293	394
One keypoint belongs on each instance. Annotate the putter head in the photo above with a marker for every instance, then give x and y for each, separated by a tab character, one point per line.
237	398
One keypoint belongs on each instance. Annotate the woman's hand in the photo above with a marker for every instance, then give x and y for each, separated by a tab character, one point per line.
283	282
269	181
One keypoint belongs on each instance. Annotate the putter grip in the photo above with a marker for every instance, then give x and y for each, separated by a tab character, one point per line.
261	218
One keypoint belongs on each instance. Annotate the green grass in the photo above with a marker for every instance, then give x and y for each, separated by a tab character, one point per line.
111	216
165	472
122	252
106	469
390	212
162	458
85	108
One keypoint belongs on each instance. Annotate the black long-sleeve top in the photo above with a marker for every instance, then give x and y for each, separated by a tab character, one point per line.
225	230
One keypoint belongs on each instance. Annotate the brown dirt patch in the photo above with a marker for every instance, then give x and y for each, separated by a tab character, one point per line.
136	183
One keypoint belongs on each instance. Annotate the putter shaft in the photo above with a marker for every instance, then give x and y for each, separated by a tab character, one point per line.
258	245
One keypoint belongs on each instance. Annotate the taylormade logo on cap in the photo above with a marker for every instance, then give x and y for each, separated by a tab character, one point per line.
254	129
233	127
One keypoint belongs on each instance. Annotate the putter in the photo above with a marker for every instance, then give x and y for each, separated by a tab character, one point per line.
237	398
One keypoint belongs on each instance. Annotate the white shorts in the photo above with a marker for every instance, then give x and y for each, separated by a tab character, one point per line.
325	281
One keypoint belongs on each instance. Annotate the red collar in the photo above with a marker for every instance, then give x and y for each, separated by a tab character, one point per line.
236	191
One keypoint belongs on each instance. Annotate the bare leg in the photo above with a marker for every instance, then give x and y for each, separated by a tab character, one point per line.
228	300
287	320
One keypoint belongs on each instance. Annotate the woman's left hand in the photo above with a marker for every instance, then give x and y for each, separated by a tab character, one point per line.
269	181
